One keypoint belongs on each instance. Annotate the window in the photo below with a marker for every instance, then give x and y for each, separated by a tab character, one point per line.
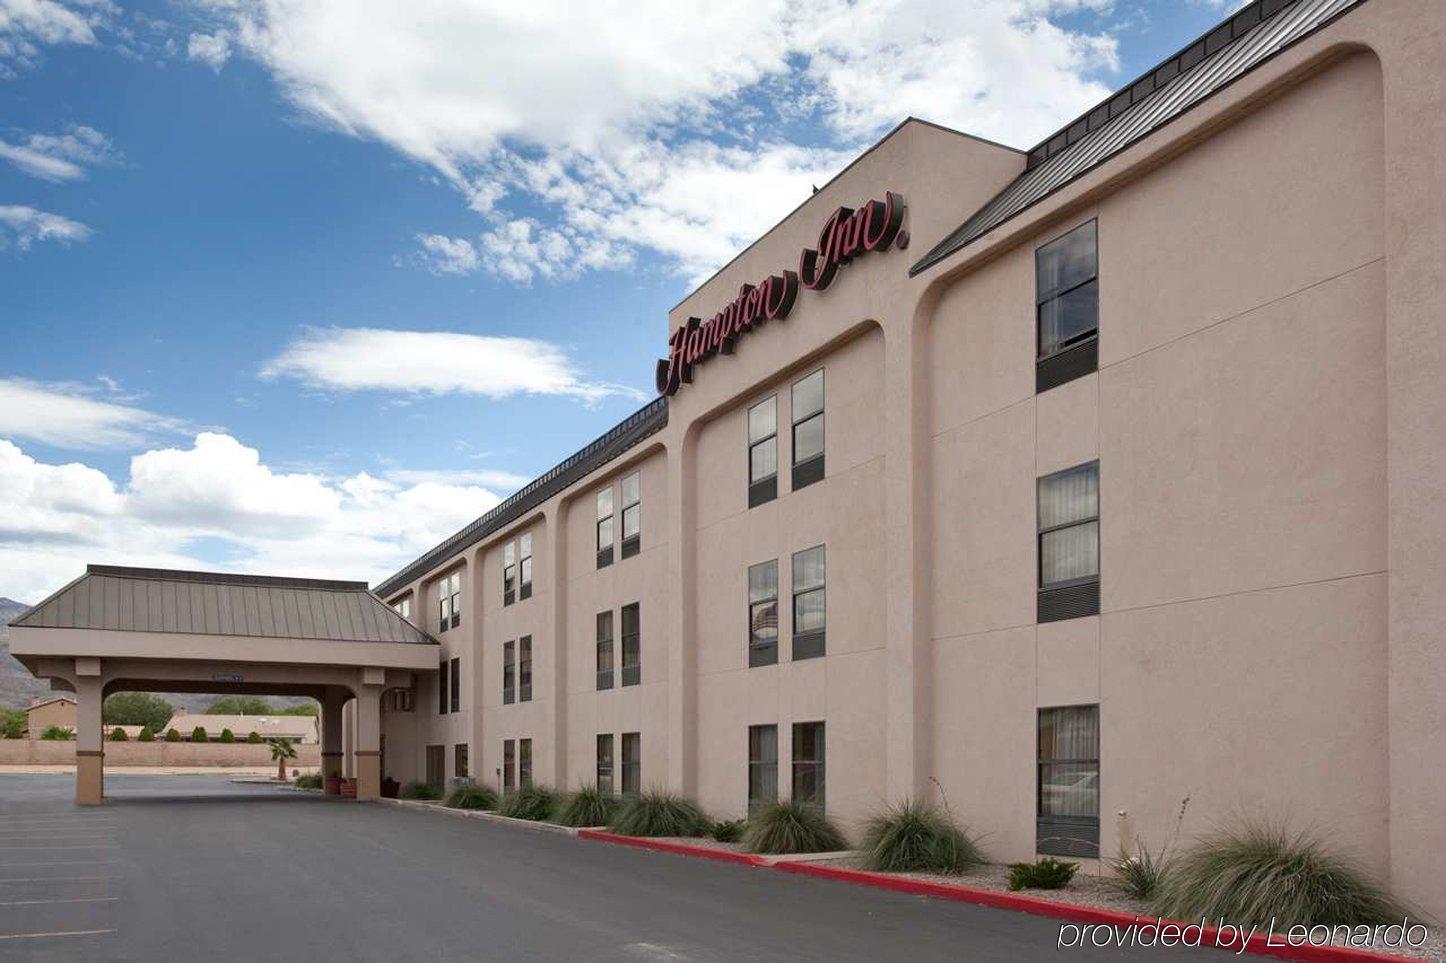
442	688
455	685
763	613
808	604
808	755
632	515
1066	286
763	452
632	646
605	762
436	765
459	760
762	765
509	765
1069	781
449	601
524	669
509	574
604	528
632	763
604	650
509	673
524	762
524	587
403	608
808	430
1069	543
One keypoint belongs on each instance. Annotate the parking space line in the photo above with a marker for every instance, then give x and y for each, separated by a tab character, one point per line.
95	846
51	879
41	902
65	862
35	936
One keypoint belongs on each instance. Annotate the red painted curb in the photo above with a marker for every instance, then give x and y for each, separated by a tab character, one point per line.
1069	912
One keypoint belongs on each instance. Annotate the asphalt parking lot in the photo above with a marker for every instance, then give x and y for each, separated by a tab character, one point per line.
200	868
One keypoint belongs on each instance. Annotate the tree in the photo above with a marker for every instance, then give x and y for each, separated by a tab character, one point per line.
305	709
198	734
146	735
281	750
253	737
136	709
227	735
240	706
12	723
118	735
172	735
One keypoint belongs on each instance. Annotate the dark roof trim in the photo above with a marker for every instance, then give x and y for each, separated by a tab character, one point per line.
646	421
226	578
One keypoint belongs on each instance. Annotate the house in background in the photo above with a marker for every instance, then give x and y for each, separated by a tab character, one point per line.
300	729
47	711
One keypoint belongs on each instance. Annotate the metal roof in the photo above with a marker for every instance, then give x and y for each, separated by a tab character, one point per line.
1224	54
646	421
118	598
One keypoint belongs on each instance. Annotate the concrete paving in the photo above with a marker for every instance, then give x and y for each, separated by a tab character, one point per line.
201	868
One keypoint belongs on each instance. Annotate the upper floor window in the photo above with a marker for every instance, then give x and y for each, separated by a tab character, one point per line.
509	673
605	527
442	688
808	430
509	574
524	669
632	515
1066	286
604	650
632	645
763	452
1069	781
809	610
1069	543
524	578
763	613
454	687
808	759
449	601
403	607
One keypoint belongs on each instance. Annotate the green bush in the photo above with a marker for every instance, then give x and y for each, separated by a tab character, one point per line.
536	803
420	790
1048	873
13	722
791	827
57	734
727	830
172	735
914	837
1259	871
227	736
146	735
1139	875
659	814
472	796
309	781
198	734
589	806
118	735
254	738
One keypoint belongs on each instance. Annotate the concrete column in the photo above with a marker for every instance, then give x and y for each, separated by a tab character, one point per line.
368	751
682	658
554	544
332	752
348	737
89	744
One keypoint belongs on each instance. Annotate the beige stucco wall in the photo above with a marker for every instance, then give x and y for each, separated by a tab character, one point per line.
59	713
26	752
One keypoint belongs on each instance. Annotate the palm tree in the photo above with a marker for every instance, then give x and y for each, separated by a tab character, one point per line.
281	750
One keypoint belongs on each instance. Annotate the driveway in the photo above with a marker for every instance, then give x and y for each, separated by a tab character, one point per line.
200	868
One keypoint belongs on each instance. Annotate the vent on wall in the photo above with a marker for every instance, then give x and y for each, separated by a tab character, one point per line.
1069	602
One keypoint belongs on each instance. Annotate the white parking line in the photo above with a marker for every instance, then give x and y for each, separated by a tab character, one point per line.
35	936
51	879
40	902
64	862
94	846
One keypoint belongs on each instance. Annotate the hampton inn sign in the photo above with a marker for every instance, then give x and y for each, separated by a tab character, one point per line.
845	235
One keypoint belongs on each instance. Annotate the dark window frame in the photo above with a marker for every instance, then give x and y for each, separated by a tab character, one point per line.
632	644
764	488
605	645
1065	835
605	552
509	765
459	761
509	574
603	777
442	687
632	544
1077	355
524	763
762	652
1073	597
509	673
524	566
801	767
811	644
455	685
810	469
631	764
758	767
524	669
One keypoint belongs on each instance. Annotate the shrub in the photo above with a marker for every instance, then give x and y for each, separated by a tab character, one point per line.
309	781
659	814
727	830
57	734
118	735
227	735
536	803
919	838
146	735
589	806
420	790
253	737
791	827
1140	875
172	735
472	796
1048	873
198	734
1258	871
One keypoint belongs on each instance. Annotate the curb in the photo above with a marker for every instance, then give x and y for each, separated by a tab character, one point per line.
482	814
994	899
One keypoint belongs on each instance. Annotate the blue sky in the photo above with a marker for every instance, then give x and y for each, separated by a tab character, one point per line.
304	286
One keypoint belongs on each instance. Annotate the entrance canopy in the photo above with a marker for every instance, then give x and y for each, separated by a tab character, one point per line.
134	629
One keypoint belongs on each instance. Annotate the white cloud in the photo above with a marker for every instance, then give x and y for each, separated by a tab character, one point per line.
448	255
491	478
56	518
60	157
26	25
23	226
616	128
67	416
211	49
434	362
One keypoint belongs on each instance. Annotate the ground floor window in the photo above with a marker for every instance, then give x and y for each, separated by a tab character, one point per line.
632	763
509	765
459	761
436	765
808	756
605	762
762	765
524	762
1069	781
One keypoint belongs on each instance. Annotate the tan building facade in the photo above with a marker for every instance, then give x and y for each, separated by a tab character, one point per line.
42	714
1110	474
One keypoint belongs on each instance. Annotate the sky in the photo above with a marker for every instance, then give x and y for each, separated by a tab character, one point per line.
303	286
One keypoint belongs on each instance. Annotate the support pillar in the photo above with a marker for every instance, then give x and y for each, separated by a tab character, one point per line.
89	745
331	738
348	738
368	750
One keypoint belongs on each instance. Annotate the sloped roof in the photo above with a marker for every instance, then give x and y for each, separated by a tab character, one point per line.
40	701
126	599
1224	54
296	727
